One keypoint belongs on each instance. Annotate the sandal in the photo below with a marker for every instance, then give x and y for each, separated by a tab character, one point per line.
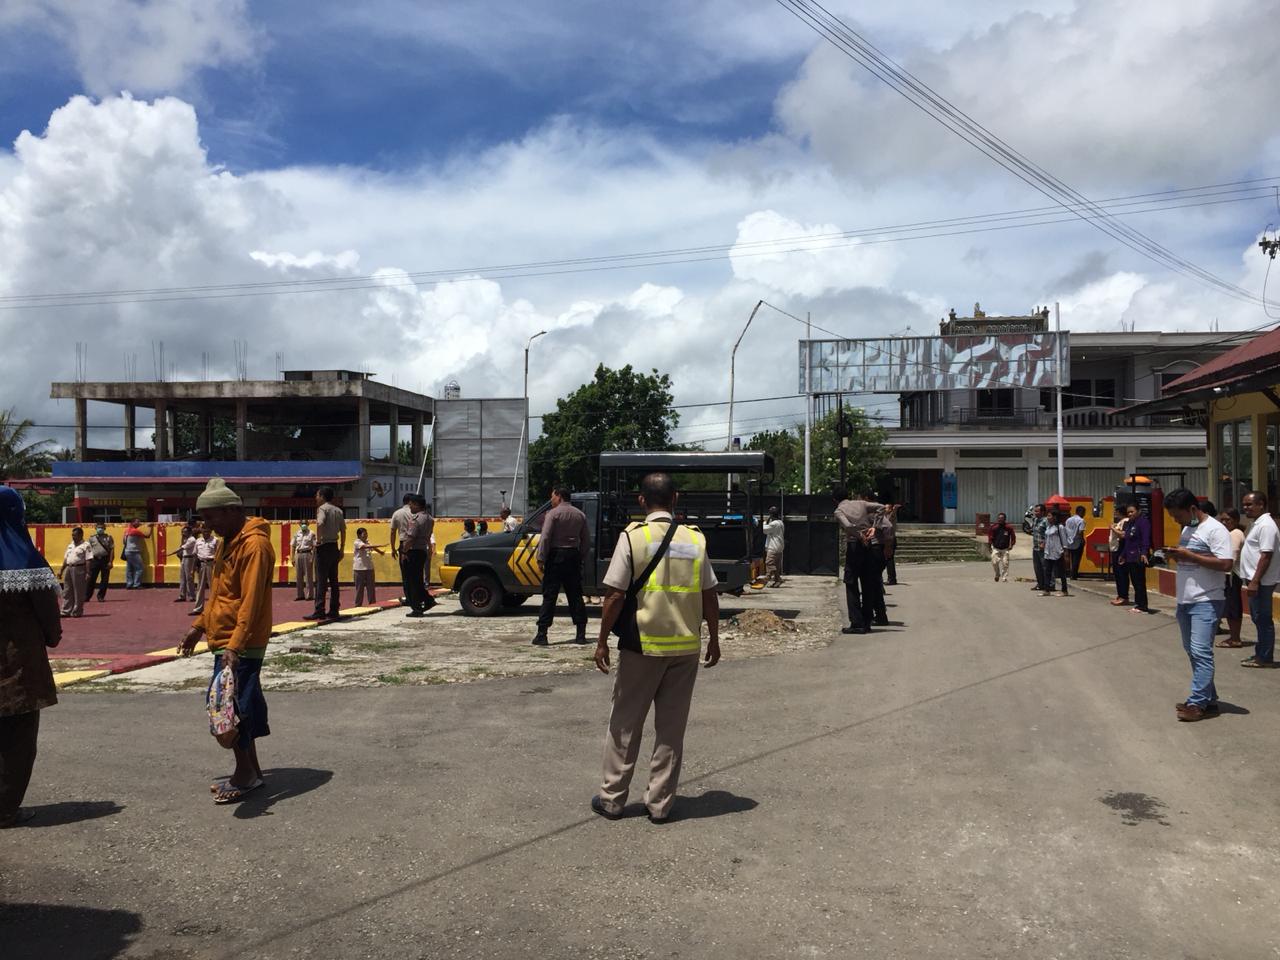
1256	664
1229	643
230	793
1117	602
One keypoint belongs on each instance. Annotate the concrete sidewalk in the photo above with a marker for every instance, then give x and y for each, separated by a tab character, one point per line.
1001	777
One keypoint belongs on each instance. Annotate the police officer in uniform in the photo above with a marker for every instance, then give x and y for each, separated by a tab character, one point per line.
863	587
562	548
660	664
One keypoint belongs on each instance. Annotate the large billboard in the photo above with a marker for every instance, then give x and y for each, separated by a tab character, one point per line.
907	364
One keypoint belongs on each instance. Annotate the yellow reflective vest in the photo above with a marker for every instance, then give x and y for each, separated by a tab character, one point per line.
669	605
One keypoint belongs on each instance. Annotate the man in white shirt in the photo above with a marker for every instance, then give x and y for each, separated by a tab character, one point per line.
206	550
1075	540
186	567
774	544
304	562
1260	573
1205	557
509	523
75	574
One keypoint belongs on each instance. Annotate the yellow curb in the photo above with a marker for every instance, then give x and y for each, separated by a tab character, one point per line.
292	626
201	647
360	611
67	677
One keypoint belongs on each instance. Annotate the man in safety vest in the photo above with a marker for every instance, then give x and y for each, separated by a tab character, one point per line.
658	664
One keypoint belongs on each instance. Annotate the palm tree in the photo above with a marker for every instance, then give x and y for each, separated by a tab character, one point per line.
20	457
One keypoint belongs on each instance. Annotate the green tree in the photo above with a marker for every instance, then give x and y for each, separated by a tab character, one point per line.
20	456
868	453
47	507
787	449
404	455
616	410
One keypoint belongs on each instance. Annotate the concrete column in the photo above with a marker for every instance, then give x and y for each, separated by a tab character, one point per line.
393	433
172	426
162	429
242	429
419	425
362	428
206	435
82	429
948	466
130	428
1130	462
1031	457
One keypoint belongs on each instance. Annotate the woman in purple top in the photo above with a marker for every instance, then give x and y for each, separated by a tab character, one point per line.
1135	546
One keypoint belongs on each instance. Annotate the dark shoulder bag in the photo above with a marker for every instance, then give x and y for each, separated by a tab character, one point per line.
626	629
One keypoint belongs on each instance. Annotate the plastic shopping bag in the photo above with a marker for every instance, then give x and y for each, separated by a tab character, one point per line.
224	722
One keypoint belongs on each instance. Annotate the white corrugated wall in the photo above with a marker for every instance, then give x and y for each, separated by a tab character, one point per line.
1099	482
990	490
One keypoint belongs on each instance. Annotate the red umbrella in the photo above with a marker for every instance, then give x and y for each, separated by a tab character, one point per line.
1057	500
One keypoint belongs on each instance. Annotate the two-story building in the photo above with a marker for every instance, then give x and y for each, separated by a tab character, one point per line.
1000	443
277	441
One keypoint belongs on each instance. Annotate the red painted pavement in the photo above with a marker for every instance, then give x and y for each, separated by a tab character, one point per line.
119	631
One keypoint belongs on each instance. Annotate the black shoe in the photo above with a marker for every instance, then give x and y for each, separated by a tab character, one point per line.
540	640
581	638
415	613
856	630
881	621
597	805
314	616
431	602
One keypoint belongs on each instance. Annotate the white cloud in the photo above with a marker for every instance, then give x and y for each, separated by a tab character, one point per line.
815	263
1105	93
146	46
120	194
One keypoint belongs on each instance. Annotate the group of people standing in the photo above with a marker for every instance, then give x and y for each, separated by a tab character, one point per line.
87	564
868	528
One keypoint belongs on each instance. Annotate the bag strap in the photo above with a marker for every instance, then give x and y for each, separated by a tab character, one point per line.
637	585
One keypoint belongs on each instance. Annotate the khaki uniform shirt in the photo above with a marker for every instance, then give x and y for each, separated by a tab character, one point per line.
330	523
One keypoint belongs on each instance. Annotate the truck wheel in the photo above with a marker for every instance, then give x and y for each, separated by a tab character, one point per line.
481	595
513	600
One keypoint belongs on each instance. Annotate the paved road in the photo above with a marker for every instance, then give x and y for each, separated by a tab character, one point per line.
1001	778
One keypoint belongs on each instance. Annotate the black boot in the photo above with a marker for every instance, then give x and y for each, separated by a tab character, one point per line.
540	640
582	635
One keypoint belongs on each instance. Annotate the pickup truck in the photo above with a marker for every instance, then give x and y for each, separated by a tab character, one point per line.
500	571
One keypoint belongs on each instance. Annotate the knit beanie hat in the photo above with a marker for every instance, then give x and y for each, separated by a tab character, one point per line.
217	494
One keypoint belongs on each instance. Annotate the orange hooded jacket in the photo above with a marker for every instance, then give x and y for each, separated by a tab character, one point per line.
237	614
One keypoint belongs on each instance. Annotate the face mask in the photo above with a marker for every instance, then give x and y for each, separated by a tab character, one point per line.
101	530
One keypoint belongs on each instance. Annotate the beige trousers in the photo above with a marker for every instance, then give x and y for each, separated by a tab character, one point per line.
304	571
1000	563
204	577
667	683
75	582
773	566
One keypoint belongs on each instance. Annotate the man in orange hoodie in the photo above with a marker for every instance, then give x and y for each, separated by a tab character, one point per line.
237	622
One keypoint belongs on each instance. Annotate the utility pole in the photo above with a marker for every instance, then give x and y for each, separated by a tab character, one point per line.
524	436
1057	329
808	405
733	359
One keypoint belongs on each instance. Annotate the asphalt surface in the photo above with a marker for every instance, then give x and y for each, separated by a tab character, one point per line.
1000	777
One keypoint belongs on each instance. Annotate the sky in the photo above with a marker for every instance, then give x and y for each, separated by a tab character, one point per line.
184	143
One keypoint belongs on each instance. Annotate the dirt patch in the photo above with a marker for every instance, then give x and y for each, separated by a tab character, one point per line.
387	649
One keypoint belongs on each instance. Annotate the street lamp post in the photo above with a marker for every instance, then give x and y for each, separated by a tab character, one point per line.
525	438
733	359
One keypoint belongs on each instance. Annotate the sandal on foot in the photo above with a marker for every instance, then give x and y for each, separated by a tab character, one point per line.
1229	643
1117	602
1255	663
230	793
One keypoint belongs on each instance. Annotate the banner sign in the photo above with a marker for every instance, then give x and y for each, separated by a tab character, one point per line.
909	364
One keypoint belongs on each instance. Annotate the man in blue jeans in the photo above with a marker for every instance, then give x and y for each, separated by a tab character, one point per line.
1260	573
1205	557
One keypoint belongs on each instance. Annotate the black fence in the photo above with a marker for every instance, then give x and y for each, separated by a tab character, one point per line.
813	537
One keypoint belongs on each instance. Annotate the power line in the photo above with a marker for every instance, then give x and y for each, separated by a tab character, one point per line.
959	226
919	94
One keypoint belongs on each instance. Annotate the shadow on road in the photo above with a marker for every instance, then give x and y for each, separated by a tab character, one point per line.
713	803
282	783
71	811
37	931
1224	707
